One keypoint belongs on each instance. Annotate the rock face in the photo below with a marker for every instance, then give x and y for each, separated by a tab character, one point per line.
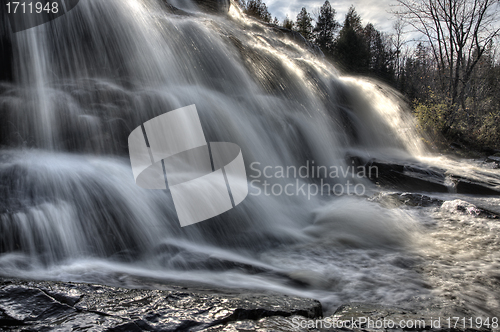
41	306
406	177
409	176
214	6
210	6
6	58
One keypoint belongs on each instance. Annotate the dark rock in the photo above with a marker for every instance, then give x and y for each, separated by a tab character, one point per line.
6	55
391	200
36	306
466	186
464	207
457	145
173	10
383	318
405	177
414	176
492	161
265	324
209	6
214	6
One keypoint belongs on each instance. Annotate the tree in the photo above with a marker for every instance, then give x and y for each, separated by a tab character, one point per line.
398	43
258	9
418	75
303	25
458	33
326	25
288	23
380	54
350	48
353	20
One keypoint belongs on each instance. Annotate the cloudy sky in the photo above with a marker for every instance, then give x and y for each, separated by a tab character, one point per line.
375	11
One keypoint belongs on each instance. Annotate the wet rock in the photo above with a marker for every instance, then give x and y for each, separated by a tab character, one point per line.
467	186
492	162
172	9
214	6
36	306
413	176
264	324
6	55
406	177
394	200
464	207
495	159
391	200
370	317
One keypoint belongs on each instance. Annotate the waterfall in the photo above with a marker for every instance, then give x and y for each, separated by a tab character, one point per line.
69	206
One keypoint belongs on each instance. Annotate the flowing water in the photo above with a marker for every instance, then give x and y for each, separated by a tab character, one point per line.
70	209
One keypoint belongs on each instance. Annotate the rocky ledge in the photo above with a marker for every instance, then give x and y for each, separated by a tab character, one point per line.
414	176
47	306
64	306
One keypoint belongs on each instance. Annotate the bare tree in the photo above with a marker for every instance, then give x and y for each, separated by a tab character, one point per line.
398	42
458	33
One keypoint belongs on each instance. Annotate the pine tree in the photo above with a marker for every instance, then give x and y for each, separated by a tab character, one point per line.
353	20
326	26
288	23
380	53
350	48
258	9
303	25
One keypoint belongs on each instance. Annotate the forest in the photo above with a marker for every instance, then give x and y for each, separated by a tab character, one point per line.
442	56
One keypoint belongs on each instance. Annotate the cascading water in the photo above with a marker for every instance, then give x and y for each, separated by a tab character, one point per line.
70	209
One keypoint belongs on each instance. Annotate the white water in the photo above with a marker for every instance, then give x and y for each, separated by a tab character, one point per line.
70	209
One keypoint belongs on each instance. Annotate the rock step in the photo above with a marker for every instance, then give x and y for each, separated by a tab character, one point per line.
45	305
416	177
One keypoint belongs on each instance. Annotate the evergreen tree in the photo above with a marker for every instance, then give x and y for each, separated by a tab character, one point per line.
353	20
380	55
258	9
326	26
303	25
288	23
350	48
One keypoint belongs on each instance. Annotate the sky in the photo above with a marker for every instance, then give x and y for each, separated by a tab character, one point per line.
376	12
